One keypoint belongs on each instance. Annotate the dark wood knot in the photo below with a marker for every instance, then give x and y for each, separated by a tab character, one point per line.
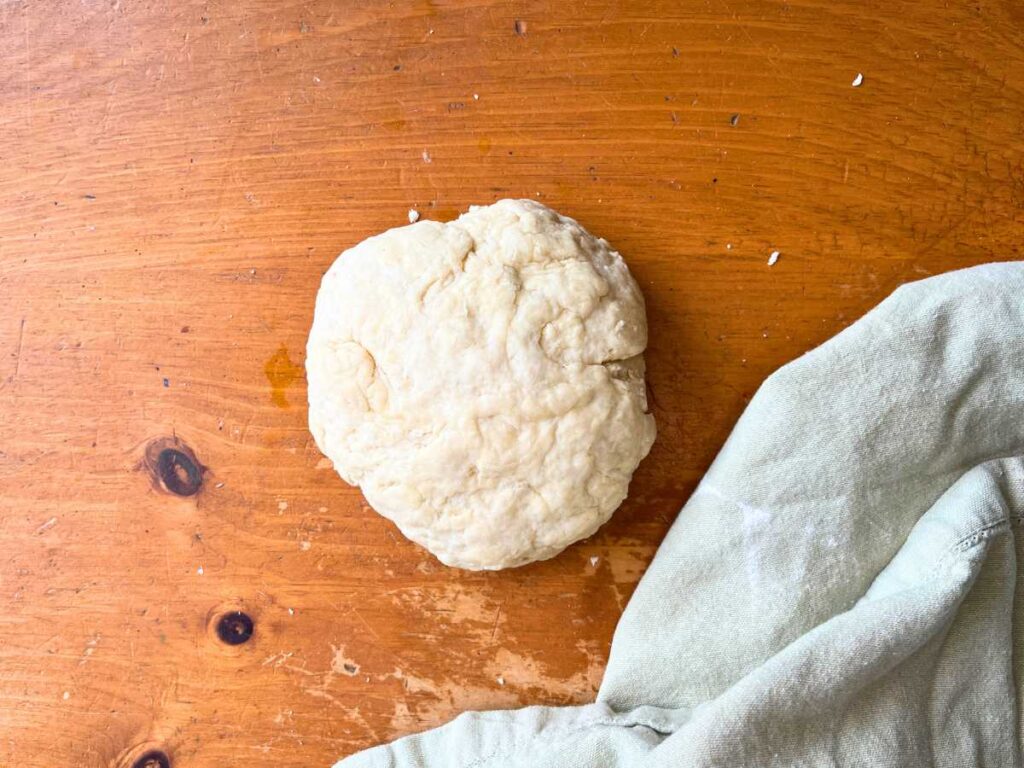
174	466
154	758
178	473
234	627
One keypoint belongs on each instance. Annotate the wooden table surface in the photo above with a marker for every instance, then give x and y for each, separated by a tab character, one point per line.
176	176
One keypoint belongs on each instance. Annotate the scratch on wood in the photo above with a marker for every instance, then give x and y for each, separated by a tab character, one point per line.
17	352
618	596
246	32
245	428
746	34
370	629
278	659
28	71
497	615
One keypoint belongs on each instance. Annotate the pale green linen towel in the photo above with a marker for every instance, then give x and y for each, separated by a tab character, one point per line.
842	587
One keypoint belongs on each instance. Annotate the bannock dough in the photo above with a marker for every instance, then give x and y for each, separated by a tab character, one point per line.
482	381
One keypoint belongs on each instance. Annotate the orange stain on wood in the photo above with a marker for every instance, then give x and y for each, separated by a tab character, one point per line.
281	373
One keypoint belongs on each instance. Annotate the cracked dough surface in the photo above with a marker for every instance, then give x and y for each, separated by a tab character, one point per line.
482	381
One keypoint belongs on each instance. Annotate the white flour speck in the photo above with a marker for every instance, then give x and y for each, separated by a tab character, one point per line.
773	258
594	561
47	525
426	156
857	80
755	519
501	680
414	215
67	695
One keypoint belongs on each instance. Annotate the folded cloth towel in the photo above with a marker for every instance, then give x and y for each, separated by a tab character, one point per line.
842	588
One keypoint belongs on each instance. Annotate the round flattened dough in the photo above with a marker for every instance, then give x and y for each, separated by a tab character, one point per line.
482	381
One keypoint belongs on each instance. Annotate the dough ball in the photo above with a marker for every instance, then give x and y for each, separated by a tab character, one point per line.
482	381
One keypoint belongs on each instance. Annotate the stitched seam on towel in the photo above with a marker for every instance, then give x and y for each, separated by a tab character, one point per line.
974	538
985	531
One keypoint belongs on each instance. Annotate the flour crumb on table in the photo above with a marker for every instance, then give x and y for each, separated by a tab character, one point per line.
857	80
414	215
46	526
773	258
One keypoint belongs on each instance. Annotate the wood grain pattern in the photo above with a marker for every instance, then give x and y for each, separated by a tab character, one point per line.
174	179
